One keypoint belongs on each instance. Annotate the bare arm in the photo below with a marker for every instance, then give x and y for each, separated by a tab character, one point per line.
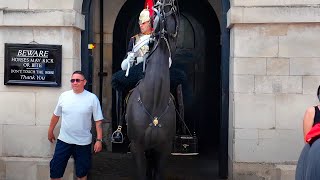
99	129
53	123
98	144
308	120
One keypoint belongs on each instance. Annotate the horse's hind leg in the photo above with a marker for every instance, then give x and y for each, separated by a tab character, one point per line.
137	152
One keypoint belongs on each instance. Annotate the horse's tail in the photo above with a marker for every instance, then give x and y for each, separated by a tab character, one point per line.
151	136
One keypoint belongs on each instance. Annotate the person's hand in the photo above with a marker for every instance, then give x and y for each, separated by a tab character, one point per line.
51	137
139	60
130	55
131	58
97	146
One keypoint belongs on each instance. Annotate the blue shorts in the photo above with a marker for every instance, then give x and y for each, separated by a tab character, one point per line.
62	153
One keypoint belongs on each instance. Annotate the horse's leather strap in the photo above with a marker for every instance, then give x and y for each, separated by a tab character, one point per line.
147	112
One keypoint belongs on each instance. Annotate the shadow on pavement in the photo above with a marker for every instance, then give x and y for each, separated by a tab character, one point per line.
119	166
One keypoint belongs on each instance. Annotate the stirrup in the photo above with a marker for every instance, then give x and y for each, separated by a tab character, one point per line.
117	136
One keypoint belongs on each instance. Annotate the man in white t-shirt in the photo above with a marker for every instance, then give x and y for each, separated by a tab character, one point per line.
76	109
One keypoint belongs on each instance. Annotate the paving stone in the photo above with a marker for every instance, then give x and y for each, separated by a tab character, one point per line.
118	166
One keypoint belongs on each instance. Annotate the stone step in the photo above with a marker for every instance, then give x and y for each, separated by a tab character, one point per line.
285	172
263	171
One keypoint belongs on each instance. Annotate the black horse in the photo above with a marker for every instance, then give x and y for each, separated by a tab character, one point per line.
150	114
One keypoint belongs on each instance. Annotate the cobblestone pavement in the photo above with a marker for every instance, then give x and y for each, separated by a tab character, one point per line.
118	166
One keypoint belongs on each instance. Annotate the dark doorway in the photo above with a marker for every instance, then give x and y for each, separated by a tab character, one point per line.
203	69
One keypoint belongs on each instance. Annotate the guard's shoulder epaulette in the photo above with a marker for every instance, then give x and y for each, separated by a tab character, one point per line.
135	36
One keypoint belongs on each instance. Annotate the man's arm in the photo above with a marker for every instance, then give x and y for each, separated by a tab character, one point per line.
131	43
98	144
129	58
99	129
53	123
128	62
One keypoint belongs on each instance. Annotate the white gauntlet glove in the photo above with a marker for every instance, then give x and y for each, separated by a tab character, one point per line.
128	62
139	60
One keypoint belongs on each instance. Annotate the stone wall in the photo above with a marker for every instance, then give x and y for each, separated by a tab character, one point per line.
252	3
274	76
26	111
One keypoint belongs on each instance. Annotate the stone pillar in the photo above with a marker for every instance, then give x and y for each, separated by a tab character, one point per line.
26	111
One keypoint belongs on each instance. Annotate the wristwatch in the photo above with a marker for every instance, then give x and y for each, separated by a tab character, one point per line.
99	140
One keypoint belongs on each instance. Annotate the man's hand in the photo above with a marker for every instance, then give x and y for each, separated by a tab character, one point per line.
53	123
97	146
131	58
139	60
130	55
51	137
132	62
128	62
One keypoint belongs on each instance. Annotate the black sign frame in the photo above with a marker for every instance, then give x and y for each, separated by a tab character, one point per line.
33	65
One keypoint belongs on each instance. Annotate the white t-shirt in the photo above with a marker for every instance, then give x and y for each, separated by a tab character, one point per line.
76	111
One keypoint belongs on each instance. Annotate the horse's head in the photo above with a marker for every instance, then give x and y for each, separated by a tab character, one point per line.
166	22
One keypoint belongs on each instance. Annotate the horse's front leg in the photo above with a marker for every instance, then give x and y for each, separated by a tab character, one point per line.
161	156
137	151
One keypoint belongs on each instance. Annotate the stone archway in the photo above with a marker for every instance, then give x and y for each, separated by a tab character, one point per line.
207	59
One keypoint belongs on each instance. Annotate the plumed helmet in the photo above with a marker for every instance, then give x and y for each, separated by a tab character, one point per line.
144	16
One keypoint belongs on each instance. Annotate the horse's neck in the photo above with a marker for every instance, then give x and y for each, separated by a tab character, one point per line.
156	83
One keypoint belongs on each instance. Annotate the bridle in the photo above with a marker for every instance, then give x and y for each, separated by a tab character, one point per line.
161	14
160	22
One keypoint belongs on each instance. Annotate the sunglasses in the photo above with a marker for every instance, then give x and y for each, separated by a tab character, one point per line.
76	80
